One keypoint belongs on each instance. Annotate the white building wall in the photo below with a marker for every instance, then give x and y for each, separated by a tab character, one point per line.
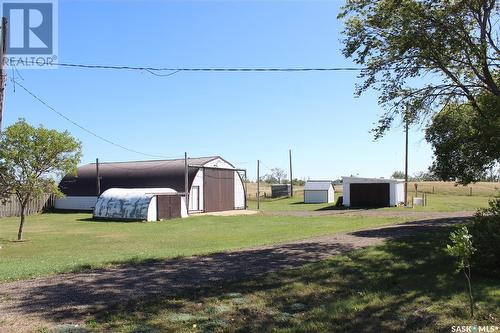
331	194
184	212
75	203
315	196
152	214
346	195
198	181
400	193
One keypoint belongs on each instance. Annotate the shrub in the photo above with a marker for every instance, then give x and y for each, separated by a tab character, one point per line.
485	231
461	247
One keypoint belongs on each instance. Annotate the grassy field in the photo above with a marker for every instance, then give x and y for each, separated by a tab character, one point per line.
441	188
67	242
70	242
445	203
406	285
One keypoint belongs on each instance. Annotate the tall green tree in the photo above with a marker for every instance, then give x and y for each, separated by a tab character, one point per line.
465	146
31	158
452	45
398	175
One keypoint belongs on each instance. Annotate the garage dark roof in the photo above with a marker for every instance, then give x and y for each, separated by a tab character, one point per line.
139	174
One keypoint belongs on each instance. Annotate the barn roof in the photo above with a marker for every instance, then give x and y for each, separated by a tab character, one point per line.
318	185
137	174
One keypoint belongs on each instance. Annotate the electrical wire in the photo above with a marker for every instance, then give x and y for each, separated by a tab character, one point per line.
265	166
153	70
85	129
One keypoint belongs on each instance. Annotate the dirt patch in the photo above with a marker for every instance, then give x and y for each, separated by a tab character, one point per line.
71	298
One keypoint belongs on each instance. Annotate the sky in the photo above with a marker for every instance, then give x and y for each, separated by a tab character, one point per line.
242	117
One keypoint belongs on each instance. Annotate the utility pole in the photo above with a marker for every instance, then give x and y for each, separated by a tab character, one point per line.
258	184
2	74
407	121
291	177
186	181
97	177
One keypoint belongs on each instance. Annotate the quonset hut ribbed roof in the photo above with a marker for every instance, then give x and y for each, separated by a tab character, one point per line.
140	174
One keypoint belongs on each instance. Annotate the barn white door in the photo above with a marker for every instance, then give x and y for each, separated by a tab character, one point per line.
194	198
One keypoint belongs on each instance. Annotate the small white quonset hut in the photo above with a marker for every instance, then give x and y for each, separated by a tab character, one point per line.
140	204
319	191
372	192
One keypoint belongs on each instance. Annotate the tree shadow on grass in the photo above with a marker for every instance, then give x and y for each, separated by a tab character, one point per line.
389	288
375	289
334	207
101	220
71	296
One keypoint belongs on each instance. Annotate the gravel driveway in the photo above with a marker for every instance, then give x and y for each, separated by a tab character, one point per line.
70	298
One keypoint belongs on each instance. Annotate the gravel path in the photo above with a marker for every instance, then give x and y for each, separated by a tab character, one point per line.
70	298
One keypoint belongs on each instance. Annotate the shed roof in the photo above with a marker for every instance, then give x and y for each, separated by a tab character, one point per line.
370	180
138	174
318	185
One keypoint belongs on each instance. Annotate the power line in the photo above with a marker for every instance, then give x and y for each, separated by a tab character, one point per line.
100	137
265	166
153	70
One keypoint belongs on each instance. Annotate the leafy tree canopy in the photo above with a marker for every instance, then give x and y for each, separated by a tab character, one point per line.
466	148
31	158
453	45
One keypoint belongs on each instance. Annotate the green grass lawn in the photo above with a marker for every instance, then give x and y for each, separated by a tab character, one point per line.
284	204
67	242
443	203
405	285
450	203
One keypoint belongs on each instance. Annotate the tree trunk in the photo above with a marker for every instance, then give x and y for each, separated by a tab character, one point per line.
21	225
471	299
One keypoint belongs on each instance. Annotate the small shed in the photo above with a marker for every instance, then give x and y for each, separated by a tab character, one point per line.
140	204
281	190
319	191
372	192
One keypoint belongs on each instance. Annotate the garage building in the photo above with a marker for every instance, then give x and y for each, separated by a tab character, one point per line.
213	183
319	191
372	192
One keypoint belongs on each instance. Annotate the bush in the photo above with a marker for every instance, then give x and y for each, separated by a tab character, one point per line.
485	231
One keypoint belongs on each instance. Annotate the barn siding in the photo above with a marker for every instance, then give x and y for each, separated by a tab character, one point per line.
219	190
239	188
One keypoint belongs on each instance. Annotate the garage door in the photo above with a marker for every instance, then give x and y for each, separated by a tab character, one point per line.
168	207
369	195
219	190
